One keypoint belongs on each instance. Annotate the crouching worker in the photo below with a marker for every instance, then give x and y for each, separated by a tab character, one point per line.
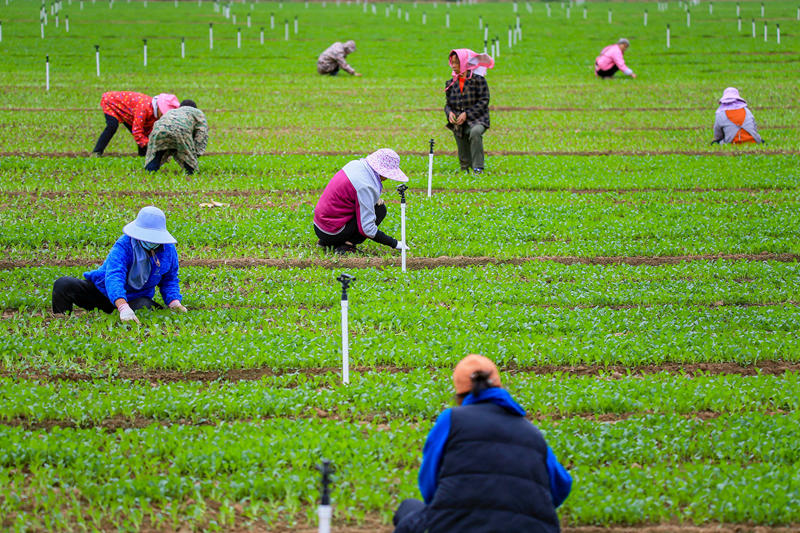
137	111
734	122
485	468
141	260
350	209
181	133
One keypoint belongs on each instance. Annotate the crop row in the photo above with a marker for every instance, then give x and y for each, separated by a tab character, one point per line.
414	395
486	223
402	334
743	461
538	284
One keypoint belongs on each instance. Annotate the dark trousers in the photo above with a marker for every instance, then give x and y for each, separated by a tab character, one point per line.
608	73
69	291
155	164
470	147
350	232
111	128
409	517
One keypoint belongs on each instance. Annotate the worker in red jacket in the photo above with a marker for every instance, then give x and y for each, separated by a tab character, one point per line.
137	111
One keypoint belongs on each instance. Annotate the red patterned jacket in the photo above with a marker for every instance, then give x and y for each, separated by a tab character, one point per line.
133	109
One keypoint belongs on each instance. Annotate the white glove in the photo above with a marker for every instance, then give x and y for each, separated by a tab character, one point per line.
402	246
176	305
126	313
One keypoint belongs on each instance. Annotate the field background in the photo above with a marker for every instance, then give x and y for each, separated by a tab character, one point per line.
638	287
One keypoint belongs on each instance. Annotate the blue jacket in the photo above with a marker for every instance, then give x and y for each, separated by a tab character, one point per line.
112	277
433	452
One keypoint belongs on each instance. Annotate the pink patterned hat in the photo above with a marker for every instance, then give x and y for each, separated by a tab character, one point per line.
166	101
386	163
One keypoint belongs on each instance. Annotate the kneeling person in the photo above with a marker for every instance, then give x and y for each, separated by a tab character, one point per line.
141	260
350	209
181	133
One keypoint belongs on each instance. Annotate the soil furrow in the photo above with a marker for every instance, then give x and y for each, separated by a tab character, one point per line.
254	374
421	263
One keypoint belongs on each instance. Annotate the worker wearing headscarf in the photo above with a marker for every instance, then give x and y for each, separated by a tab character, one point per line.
734	122
333	58
611	60
141	260
467	107
137	111
485	468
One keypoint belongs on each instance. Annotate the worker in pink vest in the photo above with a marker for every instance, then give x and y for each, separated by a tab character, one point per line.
734	122
611	60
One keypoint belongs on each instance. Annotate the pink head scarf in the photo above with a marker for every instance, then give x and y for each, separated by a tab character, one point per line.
470	63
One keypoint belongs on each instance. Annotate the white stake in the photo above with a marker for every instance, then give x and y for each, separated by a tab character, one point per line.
1	31
798	12
584	13
262	34
47	73
430	160
144	41
497	47
97	59
183	48
324	512
778	32
345	346
480	22
738	9
740	24
406	13
688	19
645	17
447	21
424	19
81	5
233	20
176	3
510	38
272	21
248	19
568	9
486	33
286	30
762	9
56	20
66	23
667	35
609	16
210	35
548	9
711	8
41	28
295	25
765	32
239	38
402	190
753	24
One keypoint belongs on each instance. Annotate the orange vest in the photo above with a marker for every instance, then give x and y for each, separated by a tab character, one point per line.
737	116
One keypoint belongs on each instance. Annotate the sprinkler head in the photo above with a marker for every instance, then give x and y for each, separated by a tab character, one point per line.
401	190
345	280
326	470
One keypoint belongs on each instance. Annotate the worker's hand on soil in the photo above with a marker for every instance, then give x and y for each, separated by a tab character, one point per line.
451	117
357	74
461	118
402	246
175	305
633	75
126	314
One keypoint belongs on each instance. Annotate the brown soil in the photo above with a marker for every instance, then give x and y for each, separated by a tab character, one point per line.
253	374
420	263
590	153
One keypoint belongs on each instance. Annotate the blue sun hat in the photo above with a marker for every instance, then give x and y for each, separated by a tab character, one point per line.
150	226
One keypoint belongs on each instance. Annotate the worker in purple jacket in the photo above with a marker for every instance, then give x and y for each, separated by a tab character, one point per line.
350	209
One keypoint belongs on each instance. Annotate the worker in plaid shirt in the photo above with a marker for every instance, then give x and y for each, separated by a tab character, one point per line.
467	107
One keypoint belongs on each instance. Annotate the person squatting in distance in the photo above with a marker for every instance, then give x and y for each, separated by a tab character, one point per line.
350	208
333	58
137	111
734	122
485	468
181	133
611	60
467	106
141	260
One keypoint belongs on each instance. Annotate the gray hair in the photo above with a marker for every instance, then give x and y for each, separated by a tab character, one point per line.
624	41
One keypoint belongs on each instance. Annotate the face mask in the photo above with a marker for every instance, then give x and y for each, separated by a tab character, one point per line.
150	245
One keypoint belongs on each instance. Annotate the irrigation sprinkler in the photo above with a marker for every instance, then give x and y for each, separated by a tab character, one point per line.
401	190
485	44
447	20
753	24
765	31
645	17
239	38
430	154
510	37
183	47
667	35
56	20
609	16
374	9
1	31
47	73
740	24
516	7
493	52
97	59
584	12
497	45
272	21
778	33
711	8
296	27
210	35
144	41
233	19
762	9
345	280
798	12
66	23
261	35
480	22
248	20
738	9
285	29
688	19
568	10
41	27
548	9
324	512
486	33
406	13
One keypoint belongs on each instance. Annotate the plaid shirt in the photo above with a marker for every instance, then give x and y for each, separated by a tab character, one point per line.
474	100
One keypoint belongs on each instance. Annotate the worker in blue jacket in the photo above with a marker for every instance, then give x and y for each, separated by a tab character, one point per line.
141	260
485	468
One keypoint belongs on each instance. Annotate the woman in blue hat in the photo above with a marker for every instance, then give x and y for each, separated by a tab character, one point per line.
141	260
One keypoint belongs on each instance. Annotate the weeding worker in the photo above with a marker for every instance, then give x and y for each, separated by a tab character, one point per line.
181	133
485	468
467	107
333	58
141	260
734	122
611	60
137	111
350	208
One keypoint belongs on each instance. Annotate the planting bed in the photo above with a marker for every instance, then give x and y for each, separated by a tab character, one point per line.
638	287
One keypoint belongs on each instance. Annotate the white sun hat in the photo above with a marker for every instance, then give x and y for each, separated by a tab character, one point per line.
386	163
150	226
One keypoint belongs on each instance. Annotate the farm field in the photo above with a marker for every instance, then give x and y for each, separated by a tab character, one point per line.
638	287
